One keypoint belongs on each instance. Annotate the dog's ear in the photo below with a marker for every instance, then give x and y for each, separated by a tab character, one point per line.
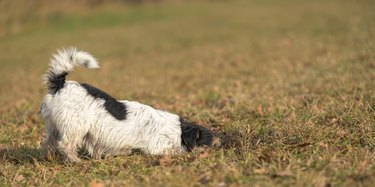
190	136
205	136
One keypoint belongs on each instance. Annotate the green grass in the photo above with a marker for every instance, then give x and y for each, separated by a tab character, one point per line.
289	85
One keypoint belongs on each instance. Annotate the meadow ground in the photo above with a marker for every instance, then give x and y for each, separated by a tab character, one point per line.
289	85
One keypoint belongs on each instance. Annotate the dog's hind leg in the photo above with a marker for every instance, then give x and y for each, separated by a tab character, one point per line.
50	143
68	149
70	140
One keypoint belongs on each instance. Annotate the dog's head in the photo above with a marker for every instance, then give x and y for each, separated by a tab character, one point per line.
194	135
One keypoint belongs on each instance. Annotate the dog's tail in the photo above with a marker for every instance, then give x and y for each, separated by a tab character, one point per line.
62	63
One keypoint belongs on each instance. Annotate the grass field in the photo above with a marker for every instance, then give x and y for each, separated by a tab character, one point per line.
289	86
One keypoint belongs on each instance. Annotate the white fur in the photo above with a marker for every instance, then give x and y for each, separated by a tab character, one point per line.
65	59
74	119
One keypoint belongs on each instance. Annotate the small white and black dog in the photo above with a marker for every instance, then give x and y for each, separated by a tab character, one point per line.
80	116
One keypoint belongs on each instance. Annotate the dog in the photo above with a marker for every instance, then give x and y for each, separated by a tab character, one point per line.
79	116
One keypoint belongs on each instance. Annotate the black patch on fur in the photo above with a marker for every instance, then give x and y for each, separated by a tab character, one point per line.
194	135
56	82
115	108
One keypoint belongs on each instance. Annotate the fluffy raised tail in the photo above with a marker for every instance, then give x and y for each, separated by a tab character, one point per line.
62	63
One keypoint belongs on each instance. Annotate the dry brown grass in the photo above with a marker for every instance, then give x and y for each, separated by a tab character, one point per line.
288	85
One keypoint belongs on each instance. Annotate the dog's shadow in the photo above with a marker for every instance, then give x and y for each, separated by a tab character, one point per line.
21	155
27	155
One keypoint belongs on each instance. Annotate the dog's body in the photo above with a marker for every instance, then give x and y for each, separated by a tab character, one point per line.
82	116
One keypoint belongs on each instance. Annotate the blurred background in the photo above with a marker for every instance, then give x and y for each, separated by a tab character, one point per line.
211	51
220	40
289	83
19	15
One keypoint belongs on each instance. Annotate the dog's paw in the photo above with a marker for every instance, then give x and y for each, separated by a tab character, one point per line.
72	160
